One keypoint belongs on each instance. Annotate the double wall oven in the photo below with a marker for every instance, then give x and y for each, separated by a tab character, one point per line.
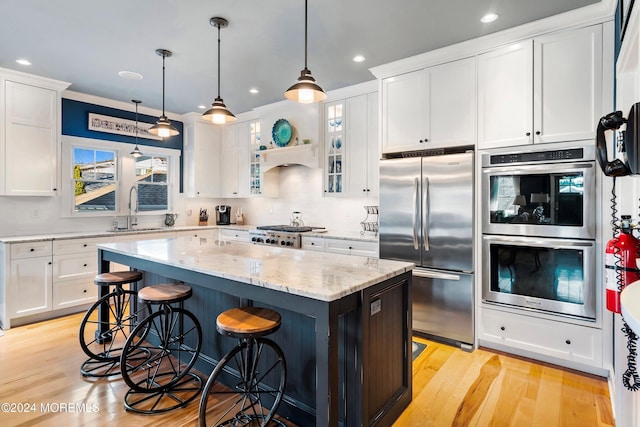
538	225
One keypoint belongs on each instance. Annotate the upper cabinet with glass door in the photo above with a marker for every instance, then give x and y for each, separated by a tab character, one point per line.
334	148
255	176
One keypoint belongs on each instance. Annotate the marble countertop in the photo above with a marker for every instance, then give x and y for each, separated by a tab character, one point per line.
318	275
370	237
630	303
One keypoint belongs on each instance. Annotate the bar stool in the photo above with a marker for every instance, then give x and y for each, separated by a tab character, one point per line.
102	339
172	336
255	371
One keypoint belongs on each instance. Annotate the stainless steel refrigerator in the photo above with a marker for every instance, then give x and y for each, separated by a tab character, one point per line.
426	217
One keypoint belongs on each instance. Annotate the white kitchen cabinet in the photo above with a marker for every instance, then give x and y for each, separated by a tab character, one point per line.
203	158
30	112
351	247
535	337
312	244
28	286
547	89
433	107
351	147
235	235
236	160
75	264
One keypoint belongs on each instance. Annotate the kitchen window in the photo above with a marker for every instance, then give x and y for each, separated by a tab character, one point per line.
98	176
152	183
95	179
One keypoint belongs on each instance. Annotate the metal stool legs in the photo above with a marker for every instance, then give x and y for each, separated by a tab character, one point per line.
162	382
104	349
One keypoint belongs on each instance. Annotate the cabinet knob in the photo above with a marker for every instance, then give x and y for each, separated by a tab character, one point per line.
502	328
85	245
50	263
350	247
84	290
31	250
528	134
368	189
538	132
364	189
85	265
568	342
55	189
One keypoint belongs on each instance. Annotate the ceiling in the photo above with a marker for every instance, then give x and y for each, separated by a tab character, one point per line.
87	43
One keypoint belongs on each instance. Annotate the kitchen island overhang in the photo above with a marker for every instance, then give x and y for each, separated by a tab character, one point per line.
349	316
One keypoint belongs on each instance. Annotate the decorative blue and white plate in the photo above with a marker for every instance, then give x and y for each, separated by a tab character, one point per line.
281	132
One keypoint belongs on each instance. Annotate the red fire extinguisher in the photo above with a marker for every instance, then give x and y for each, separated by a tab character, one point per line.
620	263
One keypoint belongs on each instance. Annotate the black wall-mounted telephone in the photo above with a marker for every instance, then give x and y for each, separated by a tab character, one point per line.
630	143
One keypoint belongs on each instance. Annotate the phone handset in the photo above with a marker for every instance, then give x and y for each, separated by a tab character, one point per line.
616	167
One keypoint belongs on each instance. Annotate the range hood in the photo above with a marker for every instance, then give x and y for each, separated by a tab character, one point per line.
305	155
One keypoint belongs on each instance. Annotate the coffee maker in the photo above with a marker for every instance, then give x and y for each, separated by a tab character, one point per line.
223	215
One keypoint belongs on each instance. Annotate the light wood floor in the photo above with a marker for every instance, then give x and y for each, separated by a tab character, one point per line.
39	366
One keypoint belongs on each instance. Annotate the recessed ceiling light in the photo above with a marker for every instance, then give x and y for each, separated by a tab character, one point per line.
489	17
254	90
358	58
23	61
130	75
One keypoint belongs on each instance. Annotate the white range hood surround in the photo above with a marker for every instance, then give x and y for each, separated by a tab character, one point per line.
304	154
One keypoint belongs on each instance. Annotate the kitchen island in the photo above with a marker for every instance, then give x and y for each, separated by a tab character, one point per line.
346	320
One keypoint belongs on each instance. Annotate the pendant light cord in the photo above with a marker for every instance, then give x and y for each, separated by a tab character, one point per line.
163	56
218	60
305	34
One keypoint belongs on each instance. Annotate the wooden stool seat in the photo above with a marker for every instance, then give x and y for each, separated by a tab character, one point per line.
117	278
248	322
165	293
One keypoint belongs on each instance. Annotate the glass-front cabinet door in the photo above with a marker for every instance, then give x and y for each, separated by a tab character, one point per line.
334	148
254	160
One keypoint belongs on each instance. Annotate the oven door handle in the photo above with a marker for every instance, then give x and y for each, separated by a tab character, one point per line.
416	213
542	242
522	170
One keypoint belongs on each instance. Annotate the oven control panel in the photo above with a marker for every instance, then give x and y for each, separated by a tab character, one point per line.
536	156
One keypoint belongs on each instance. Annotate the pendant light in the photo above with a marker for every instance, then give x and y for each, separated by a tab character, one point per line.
218	112
163	126
136	151
306	90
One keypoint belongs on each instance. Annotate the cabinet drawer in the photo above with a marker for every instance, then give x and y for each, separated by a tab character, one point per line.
74	292
313	243
546	337
238	235
31	249
146	236
204	234
352	247
74	246
73	266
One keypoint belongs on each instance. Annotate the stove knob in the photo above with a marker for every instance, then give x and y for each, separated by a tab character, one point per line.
259	240
268	241
288	243
254	239
283	243
274	241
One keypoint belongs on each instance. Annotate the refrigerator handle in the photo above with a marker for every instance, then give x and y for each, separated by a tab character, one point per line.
416	214
426	214
435	275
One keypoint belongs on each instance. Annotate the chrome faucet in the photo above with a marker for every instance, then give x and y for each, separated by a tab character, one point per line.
131	219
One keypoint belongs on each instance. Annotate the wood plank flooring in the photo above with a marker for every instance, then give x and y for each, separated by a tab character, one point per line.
39	373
